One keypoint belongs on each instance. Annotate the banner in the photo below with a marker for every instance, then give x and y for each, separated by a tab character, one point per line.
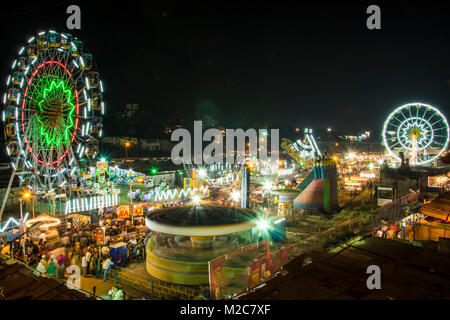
123	212
100	236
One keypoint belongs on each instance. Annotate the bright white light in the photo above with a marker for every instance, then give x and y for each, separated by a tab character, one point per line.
351	155
268	186
235	196
202	173
262	225
196	199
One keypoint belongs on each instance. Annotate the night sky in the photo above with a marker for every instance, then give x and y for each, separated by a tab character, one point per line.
312	64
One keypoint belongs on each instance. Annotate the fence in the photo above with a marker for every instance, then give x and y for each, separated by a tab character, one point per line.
157	288
389	213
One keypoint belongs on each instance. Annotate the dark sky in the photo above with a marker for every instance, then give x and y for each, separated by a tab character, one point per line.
311	63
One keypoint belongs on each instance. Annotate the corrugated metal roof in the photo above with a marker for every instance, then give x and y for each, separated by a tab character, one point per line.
438	208
17	281
407	272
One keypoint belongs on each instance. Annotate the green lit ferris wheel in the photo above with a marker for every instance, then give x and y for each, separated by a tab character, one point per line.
417	130
53	108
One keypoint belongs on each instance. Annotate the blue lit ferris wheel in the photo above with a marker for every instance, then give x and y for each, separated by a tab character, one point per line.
417	130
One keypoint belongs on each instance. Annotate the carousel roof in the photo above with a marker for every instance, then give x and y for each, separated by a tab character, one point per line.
201	220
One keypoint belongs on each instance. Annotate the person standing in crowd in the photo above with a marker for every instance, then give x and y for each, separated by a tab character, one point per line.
88	256
119	294
75	258
42	266
35	249
99	265
106	267
61	266
42	238
93	264
33	262
51	270
84	265
105	251
112	293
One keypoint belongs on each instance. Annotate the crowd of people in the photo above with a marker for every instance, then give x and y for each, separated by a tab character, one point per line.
79	246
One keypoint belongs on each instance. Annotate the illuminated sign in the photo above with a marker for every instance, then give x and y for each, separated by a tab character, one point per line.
174	193
91	203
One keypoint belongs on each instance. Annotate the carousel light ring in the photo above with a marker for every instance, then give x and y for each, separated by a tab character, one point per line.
53	109
418	130
49	222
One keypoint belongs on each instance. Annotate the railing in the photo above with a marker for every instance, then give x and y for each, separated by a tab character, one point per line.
157	288
305	183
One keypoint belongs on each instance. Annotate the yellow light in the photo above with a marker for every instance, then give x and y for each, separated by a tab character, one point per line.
49	221
26	195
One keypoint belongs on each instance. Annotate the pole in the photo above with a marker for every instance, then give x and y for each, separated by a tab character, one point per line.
8	189
23	223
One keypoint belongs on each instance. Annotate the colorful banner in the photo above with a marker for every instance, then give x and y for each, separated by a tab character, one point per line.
123	212
100	236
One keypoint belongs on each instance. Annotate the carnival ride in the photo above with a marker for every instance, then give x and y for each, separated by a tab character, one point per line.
186	238
417	130
303	152
53	109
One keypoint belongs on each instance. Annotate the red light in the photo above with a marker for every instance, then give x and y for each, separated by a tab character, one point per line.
23	108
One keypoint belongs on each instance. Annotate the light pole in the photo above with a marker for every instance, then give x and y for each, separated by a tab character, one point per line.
25	196
268	188
127	144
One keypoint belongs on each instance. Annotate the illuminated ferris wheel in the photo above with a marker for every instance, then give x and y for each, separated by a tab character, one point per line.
418	130
53	109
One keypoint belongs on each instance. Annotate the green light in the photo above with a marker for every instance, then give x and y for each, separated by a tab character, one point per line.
55	105
154	170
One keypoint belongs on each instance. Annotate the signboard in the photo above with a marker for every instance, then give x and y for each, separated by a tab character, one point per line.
123	212
138	210
100	236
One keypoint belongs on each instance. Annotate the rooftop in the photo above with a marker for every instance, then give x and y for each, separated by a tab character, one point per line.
18	281
407	272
